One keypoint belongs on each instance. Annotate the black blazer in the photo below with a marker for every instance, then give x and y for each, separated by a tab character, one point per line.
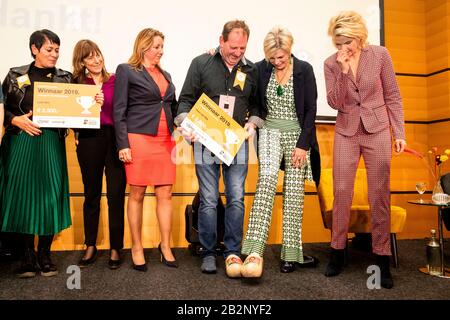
138	103
305	97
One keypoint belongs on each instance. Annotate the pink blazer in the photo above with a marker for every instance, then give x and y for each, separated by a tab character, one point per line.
373	97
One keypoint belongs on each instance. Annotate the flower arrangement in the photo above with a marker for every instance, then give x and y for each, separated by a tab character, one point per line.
439	159
435	160
434	165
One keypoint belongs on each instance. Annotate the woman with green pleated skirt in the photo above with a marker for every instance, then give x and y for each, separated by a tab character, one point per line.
34	184
36	188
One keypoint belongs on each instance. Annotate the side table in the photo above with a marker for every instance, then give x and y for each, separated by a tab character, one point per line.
445	272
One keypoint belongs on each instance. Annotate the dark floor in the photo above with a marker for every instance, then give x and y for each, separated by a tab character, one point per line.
188	283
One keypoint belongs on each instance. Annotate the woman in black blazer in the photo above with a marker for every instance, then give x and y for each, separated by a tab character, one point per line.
144	105
287	97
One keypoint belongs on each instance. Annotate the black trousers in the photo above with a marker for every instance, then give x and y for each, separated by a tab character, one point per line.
97	152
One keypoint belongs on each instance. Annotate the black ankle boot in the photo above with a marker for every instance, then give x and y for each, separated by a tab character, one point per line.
386	278
48	268
336	263
28	267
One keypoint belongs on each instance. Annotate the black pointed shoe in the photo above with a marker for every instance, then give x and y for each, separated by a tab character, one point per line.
336	264
115	264
85	262
287	266
47	267
140	267
170	264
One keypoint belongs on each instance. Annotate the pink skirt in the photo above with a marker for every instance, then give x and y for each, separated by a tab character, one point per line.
152	163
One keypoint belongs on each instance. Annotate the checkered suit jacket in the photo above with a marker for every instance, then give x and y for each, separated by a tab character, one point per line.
372	96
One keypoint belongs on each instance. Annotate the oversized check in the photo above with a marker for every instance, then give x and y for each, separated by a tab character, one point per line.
65	105
216	130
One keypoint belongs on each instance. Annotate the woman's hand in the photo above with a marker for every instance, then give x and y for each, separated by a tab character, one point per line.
400	145
24	123
343	60
211	51
250	127
298	157
100	98
125	155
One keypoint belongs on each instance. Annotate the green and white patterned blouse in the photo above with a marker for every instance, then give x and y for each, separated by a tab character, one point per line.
281	108
282	117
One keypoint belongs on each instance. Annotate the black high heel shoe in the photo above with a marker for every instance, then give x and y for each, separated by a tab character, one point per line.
85	262
114	264
139	267
171	264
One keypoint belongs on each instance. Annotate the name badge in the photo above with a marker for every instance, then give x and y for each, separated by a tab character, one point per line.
240	79
23	81
226	103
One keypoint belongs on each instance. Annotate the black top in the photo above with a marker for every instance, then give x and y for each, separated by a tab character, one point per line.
39	75
209	74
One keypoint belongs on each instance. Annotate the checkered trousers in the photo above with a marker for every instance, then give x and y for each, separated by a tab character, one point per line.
273	144
376	149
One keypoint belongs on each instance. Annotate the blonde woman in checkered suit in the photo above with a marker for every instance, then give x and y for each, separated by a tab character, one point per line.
361	86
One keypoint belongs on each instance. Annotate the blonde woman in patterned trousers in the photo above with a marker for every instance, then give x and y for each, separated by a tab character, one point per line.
287	96
273	145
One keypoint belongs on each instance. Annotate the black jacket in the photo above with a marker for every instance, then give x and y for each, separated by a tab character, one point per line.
305	97
138	103
208	74
13	95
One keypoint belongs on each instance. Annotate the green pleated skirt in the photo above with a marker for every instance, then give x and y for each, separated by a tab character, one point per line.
34	184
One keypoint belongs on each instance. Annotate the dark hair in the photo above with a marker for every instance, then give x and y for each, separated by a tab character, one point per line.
84	49
38	39
235	24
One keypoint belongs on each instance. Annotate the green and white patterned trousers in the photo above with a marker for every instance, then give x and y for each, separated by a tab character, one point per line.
273	144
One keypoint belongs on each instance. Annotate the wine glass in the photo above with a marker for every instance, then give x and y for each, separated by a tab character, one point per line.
421	187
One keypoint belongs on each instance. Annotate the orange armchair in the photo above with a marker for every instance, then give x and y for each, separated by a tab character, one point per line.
360	220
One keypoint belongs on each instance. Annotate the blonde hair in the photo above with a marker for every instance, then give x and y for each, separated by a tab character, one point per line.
143	42
83	49
278	38
349	24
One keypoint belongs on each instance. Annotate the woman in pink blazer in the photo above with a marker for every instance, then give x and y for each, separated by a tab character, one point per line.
361	86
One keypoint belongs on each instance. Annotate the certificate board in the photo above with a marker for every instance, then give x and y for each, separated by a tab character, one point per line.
65	105
216	130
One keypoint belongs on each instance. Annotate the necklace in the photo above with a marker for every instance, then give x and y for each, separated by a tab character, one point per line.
280	89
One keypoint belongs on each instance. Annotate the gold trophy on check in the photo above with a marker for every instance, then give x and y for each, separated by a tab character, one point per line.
86	102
